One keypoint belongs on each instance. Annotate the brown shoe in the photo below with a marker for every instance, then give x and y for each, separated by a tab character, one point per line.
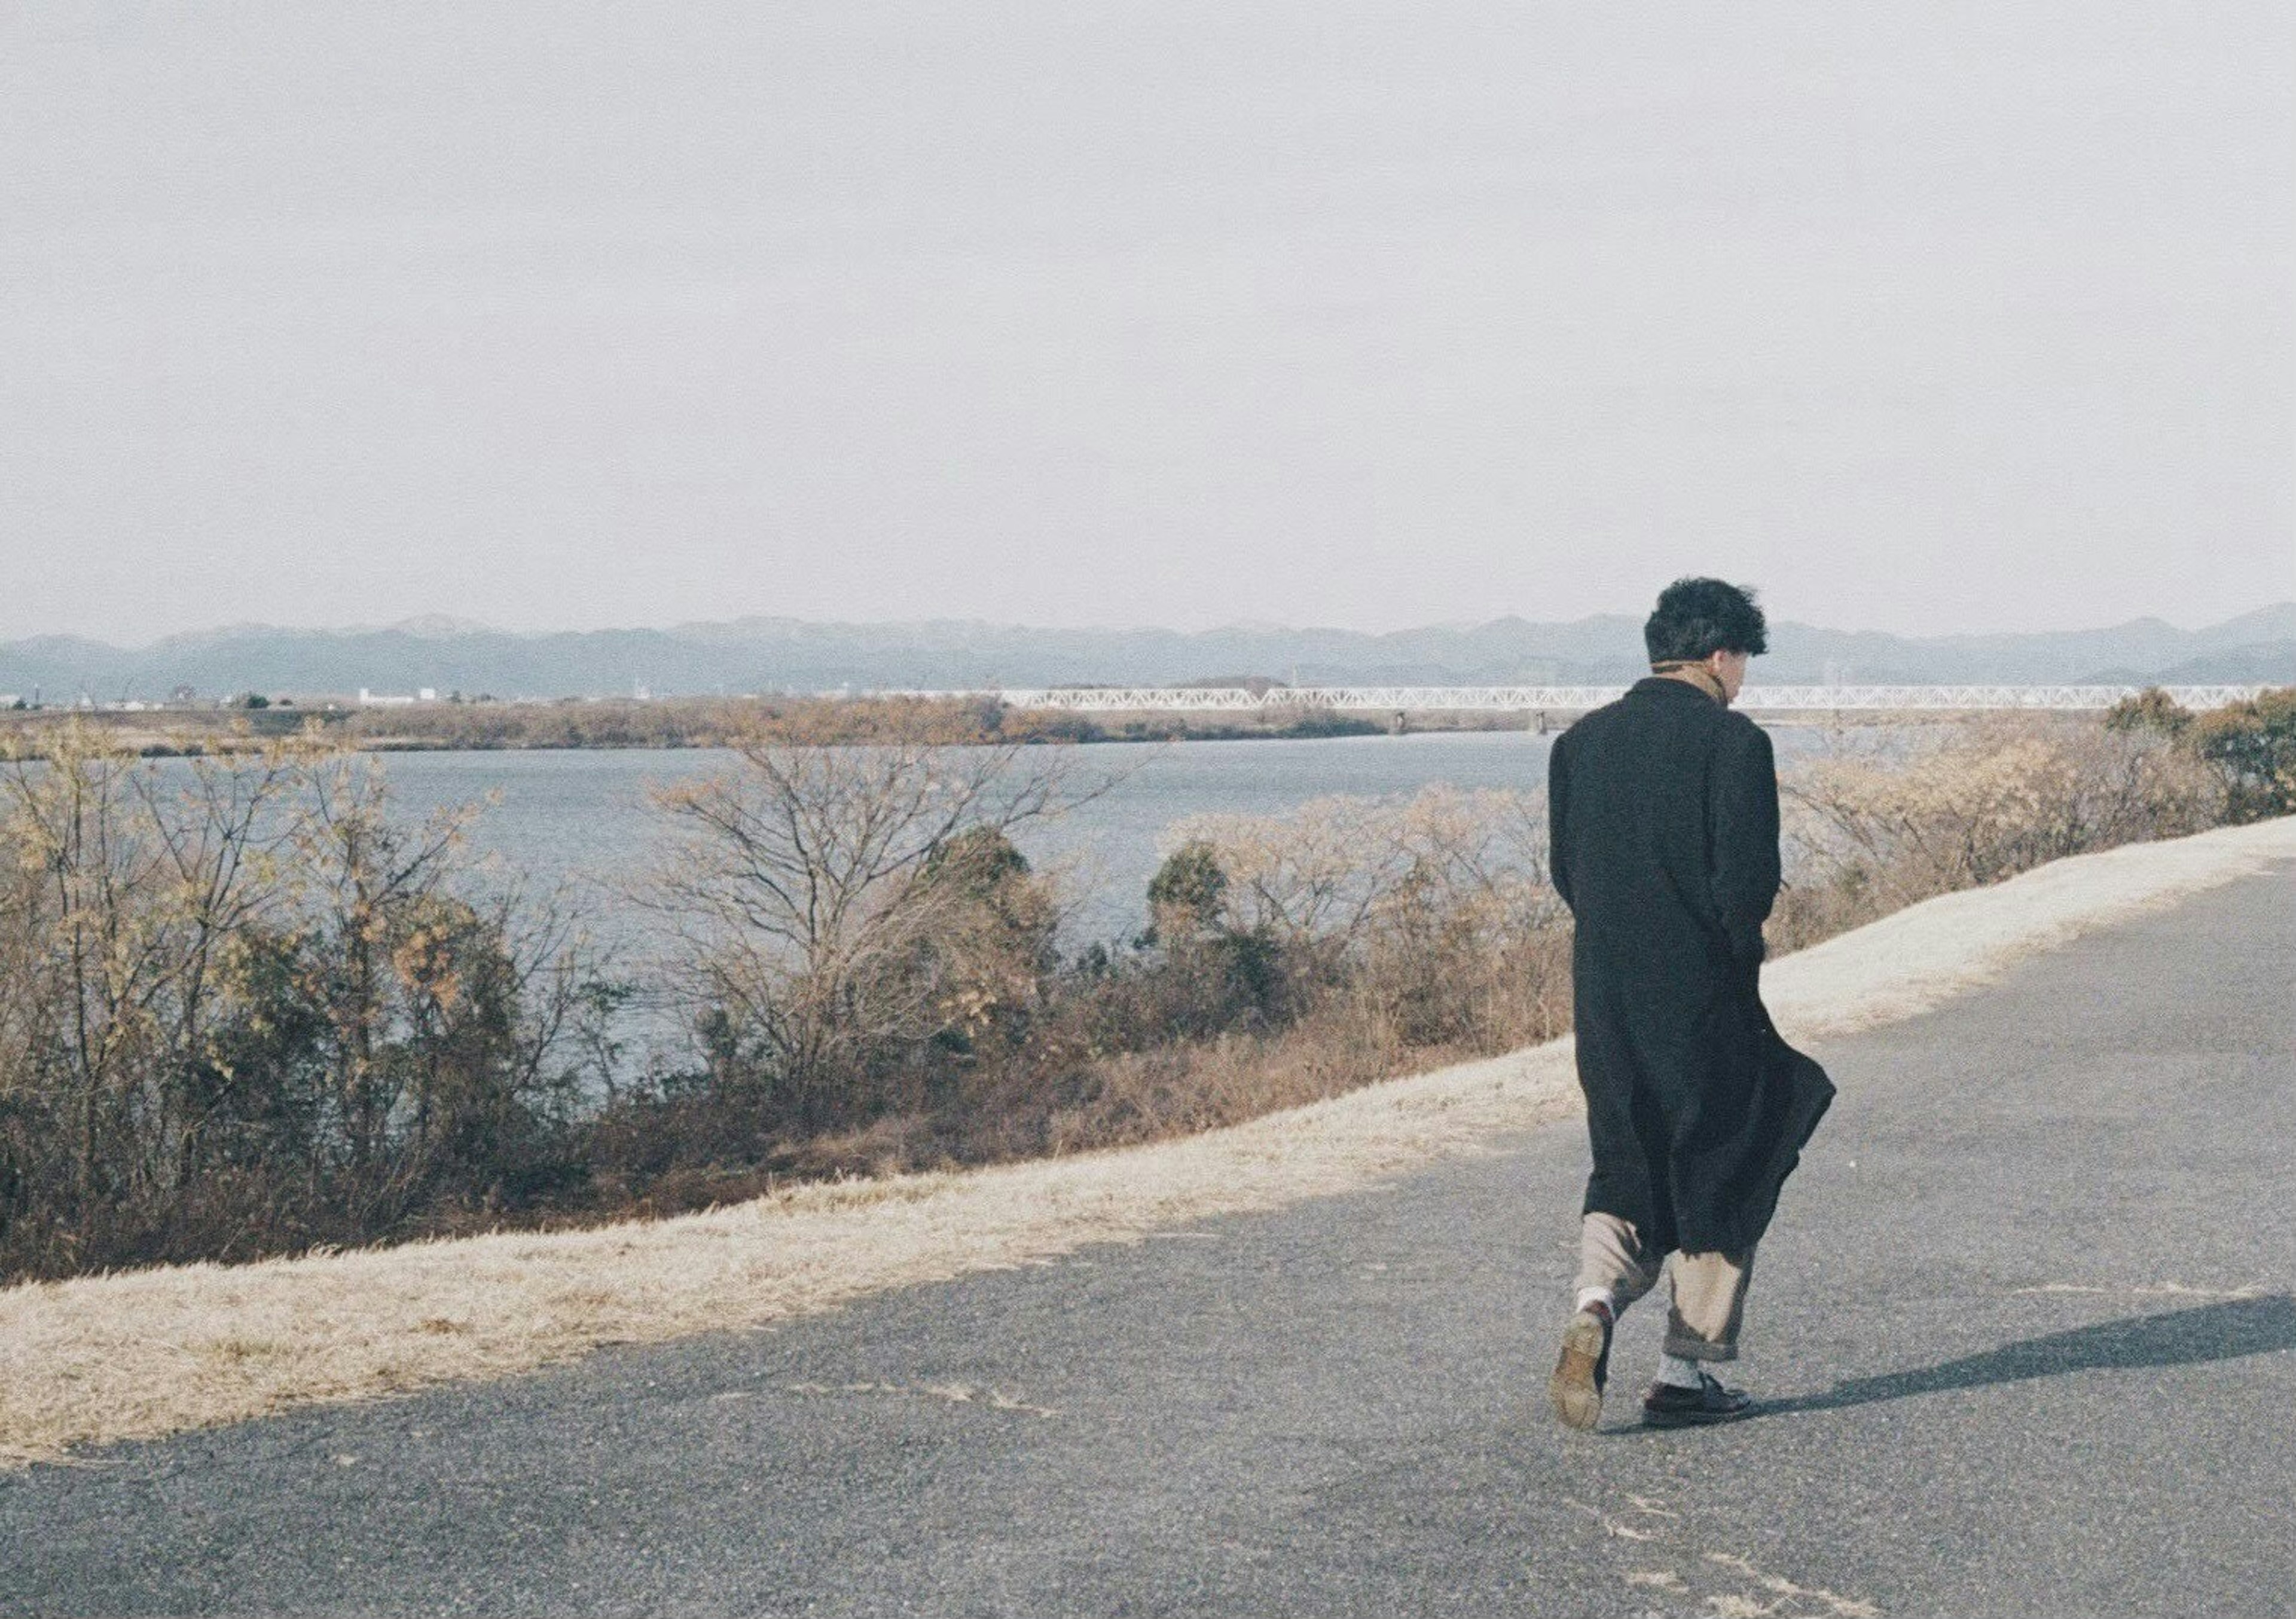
1666	1406
1584	1367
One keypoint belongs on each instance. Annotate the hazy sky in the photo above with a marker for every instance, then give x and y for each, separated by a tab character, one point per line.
1923	317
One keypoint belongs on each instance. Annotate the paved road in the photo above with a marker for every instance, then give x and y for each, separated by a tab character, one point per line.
2026	1324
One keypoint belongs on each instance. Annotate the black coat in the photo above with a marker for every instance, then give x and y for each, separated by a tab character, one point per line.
1663	810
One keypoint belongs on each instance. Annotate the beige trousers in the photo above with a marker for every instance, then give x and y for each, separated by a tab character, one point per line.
1709	1289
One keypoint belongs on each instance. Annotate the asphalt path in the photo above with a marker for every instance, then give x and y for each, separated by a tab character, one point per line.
2024	1330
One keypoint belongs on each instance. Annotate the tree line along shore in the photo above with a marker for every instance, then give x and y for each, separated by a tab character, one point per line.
675	722
725	722
250	1006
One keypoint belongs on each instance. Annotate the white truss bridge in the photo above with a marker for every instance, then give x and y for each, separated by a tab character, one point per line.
1576	698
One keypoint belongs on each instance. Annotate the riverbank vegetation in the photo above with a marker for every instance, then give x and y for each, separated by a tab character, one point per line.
675	722
246	1007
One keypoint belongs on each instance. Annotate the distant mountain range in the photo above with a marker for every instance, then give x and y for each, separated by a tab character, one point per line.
757	655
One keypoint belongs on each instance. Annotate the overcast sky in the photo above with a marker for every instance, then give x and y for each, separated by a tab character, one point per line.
1922	317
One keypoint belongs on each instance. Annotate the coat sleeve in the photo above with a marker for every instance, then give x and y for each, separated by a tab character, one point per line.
1742	816
1558	798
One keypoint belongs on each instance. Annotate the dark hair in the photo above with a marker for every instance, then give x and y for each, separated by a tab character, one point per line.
1697	618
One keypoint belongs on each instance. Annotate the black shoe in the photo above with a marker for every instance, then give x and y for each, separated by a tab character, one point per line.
1584	1367
1666	1406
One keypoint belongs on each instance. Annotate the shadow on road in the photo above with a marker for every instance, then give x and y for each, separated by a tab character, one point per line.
2183	1338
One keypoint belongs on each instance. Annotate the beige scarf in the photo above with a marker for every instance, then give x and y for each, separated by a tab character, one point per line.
1692	675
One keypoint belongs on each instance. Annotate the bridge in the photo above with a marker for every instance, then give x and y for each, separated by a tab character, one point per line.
1837	698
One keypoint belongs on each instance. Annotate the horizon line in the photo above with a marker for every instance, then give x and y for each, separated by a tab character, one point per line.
444	625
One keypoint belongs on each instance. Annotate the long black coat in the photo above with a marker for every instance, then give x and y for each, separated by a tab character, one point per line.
1663	808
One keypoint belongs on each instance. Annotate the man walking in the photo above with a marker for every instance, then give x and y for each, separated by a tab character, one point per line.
1663	812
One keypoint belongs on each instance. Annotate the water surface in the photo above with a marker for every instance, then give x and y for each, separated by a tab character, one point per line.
582	815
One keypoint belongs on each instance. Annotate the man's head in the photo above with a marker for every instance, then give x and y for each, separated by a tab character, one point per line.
1711	624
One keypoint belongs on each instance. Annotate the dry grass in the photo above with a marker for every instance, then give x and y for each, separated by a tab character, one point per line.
1915	959
140	1354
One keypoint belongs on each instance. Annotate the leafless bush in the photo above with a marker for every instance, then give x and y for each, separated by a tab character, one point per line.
244	1009
1433	913
1294	957
836	911
1972	804
127	894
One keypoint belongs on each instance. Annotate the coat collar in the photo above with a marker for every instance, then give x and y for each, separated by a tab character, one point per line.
1666	685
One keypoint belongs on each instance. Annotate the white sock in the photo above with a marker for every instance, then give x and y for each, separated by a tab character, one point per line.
1678	1371
1598	1296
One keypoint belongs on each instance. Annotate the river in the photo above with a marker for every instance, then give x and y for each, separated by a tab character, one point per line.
581	816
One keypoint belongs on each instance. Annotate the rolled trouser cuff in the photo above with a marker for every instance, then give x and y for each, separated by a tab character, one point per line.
1709	1305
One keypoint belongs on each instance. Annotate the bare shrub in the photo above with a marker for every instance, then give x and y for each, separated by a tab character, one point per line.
1295	956
1972	804
245	1009
1455	957
126	894
1287	958
835	910
436	1008
1462	947
1432	912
